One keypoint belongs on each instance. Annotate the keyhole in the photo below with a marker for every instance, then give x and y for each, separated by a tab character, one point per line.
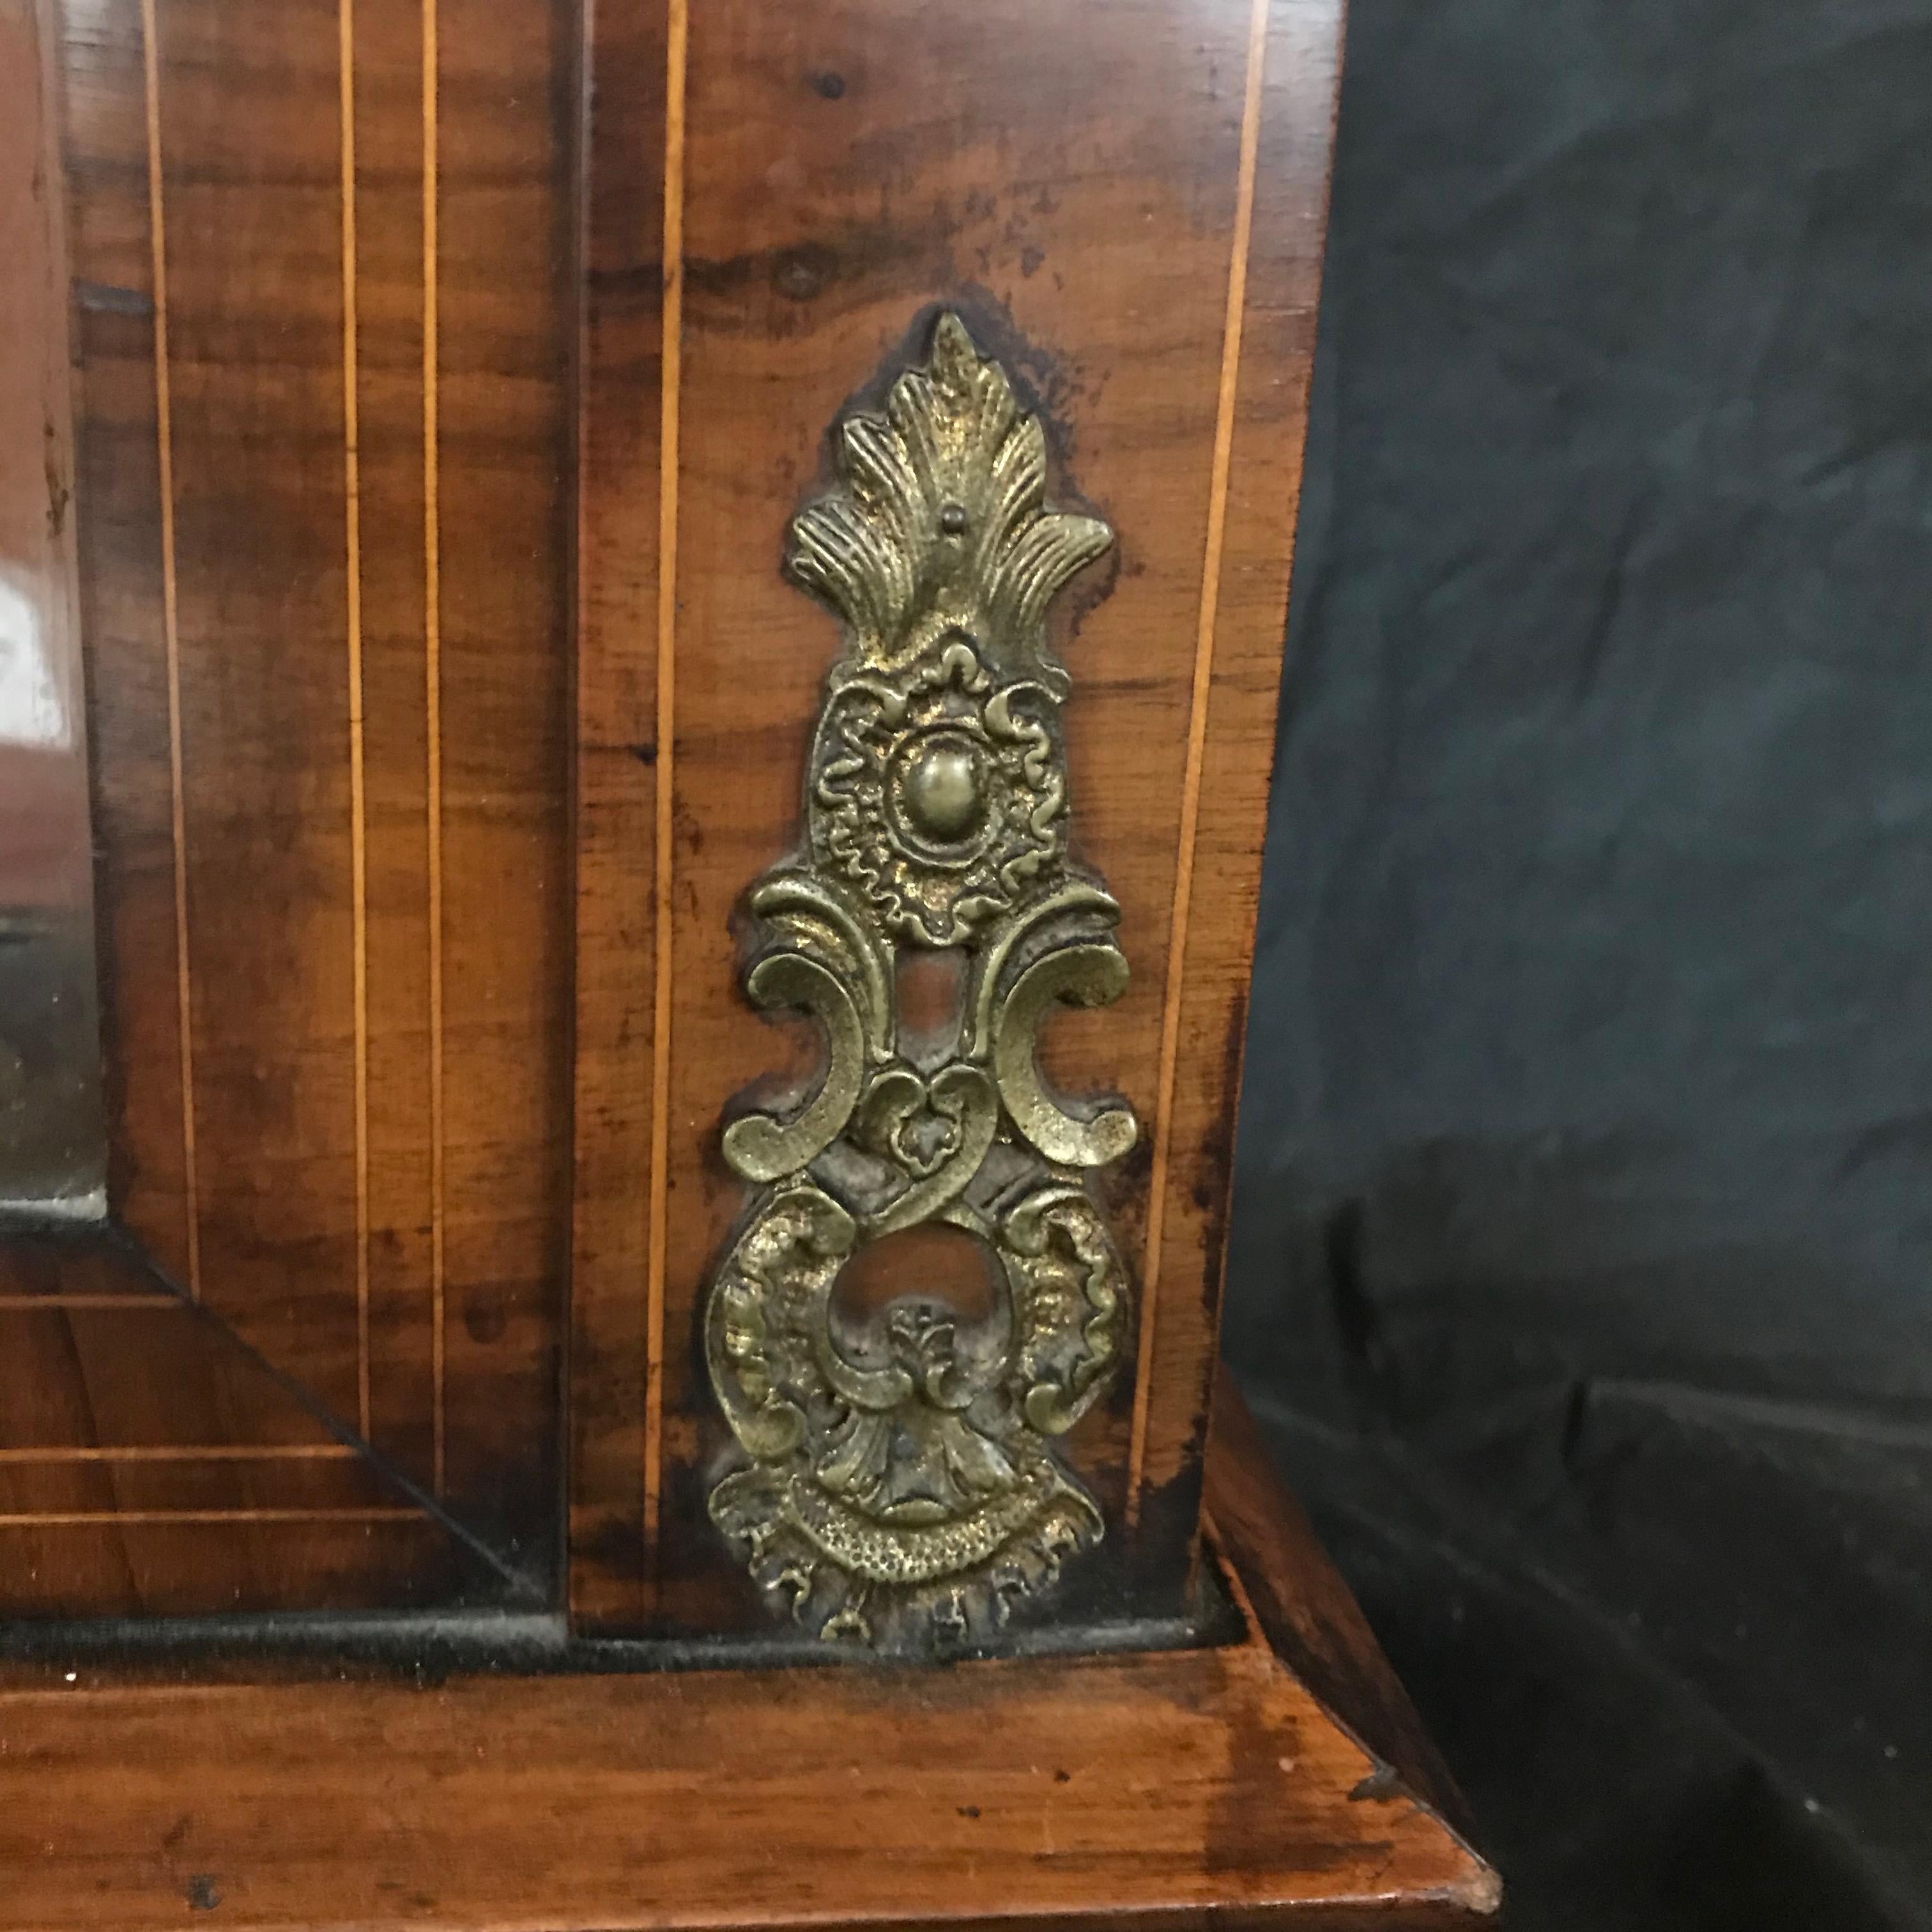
953	1274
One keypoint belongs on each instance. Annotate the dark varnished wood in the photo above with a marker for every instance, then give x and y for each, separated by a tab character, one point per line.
620	423
254	346
150	1466
1164	1789
357	1151
1099	183
324	464
507	298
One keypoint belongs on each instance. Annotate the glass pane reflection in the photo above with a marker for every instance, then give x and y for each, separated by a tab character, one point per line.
52	1136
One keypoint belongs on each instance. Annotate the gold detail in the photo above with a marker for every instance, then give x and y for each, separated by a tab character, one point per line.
902	1490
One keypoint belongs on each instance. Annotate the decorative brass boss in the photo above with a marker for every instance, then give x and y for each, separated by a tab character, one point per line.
902	1480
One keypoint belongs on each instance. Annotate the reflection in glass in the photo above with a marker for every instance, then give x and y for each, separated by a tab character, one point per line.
52	1138
32	710
50	1124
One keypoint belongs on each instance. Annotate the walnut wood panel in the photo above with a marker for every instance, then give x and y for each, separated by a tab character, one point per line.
507	303
1085	196
149	1467
325	260
1167	1790
616	828
1291	75
272	819
322	291
400	1059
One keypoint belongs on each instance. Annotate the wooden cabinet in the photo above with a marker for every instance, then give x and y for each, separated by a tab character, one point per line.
464	396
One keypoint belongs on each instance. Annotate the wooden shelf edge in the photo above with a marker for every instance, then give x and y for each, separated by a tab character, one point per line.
1298	1598
1159	1789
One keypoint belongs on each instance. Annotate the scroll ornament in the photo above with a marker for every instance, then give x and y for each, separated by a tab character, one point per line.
902	1487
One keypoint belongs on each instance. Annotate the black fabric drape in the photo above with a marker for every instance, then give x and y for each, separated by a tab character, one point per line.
1583	1261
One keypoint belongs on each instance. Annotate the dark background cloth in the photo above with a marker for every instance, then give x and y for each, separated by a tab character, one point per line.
1582	1261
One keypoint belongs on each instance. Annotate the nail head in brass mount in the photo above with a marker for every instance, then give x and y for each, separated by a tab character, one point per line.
902	1488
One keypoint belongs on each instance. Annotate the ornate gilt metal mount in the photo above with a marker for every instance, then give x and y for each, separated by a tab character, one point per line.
903	1484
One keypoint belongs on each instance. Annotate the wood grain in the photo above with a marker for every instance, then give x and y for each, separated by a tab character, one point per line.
1080	198
420	984
149	1467
506	241
619	437
1169	1790
803	279
256	284
398	1041
323	562
397	1058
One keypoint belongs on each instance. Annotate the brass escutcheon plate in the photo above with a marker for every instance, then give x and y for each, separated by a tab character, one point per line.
901	1485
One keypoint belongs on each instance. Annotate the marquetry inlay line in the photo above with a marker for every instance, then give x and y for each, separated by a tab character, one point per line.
358	854
432	701
275	1452
673	326
171	636
1197	737
74	1519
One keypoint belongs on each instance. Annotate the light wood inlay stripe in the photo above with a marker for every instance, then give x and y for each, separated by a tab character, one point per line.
432	700
1197	737
171	636
667	726
358	853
